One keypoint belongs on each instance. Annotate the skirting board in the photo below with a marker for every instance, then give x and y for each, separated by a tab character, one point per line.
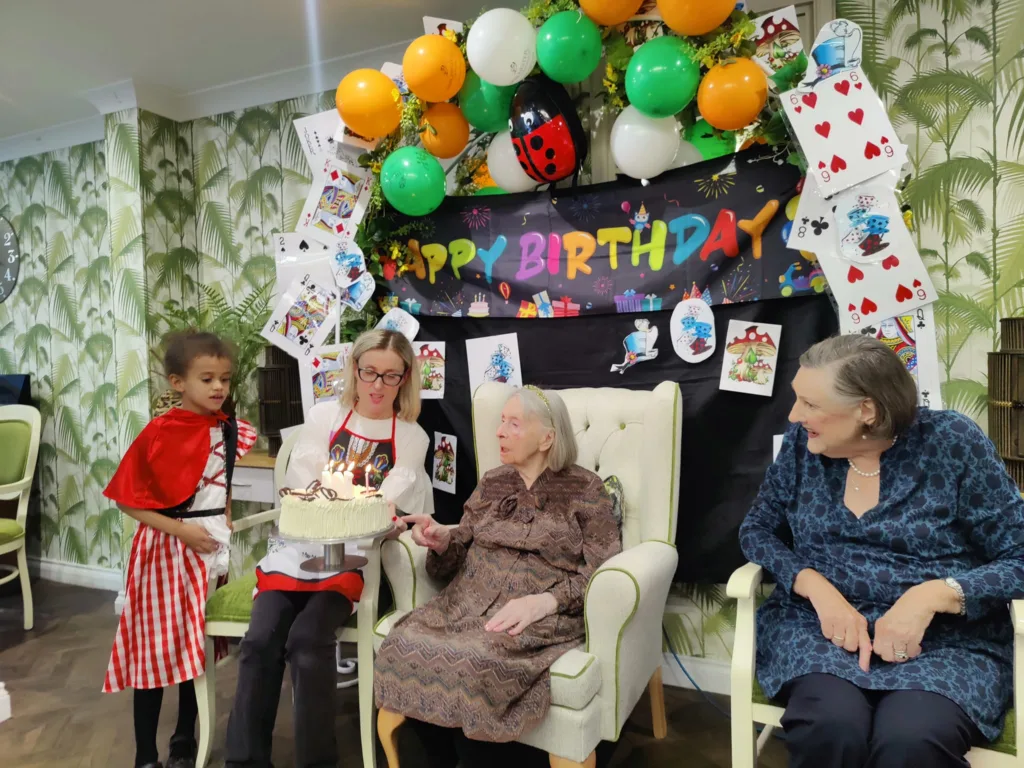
711	675
92	576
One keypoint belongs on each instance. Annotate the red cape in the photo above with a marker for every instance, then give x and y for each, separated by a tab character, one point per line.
164	465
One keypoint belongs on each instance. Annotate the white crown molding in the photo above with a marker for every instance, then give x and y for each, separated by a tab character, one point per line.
251	92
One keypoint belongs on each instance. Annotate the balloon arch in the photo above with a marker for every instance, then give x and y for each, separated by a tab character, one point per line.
494	102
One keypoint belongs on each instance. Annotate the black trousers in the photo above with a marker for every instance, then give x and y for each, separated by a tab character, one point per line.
830	723
146	712
422	745
297	627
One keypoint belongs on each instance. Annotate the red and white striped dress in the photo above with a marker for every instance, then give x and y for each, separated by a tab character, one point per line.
160	639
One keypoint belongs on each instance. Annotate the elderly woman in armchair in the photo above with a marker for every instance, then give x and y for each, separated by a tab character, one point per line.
471	666
896	539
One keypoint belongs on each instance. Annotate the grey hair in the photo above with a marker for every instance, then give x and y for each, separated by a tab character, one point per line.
866	369
550	409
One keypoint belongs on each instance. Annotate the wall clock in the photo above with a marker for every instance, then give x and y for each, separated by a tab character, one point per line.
10	259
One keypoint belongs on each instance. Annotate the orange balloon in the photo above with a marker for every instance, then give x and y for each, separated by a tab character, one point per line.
434	68
367	102
608	13
732	95
695	17
451	130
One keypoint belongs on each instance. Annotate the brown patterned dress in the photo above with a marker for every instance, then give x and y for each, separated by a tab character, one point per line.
439	665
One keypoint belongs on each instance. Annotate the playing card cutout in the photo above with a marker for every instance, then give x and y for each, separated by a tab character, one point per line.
347	263
751	356
432	25
863	225
493	358
321	374
843	131
836	49
692	329
639	346
297	255
317	136
399	320
777	37
443	475
361	291
430	368
303	317
336	202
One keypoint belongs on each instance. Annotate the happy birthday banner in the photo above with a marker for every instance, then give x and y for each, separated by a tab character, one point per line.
717	227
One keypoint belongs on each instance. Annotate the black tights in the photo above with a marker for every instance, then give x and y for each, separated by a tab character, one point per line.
147	717
422	745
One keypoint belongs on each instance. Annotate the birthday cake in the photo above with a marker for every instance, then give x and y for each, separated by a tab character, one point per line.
319	512
479	308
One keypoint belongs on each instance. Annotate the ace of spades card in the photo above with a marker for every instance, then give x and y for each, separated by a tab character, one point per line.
336	202
844	131
303	317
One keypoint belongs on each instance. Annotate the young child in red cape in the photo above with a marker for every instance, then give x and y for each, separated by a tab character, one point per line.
174	481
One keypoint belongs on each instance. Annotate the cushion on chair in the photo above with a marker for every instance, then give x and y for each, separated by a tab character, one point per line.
10	531
233	602
15	437
1006	743
575	680
613	490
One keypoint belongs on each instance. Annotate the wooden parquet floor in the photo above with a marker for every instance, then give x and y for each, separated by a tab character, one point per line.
62	720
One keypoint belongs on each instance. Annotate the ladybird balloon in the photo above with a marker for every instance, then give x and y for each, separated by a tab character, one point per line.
546	132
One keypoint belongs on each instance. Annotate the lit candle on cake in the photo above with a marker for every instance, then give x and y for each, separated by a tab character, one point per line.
325	476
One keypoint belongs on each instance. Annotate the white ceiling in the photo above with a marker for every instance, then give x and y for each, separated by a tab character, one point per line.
198	53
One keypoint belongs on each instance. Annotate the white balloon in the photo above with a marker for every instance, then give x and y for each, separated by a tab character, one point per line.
504	166
644	147
502	46
687	155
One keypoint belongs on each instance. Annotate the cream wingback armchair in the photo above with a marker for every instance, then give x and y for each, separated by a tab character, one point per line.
636	437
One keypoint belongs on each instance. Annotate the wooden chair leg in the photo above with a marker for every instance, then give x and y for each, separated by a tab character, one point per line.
387	729
206	696
657	692
561	762
26	587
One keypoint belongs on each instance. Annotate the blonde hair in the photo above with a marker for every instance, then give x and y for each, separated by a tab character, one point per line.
550	409
407	401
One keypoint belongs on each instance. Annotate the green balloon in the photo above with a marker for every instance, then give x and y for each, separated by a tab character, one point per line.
413	181
486	106
710	143
488	191
662	78
568	47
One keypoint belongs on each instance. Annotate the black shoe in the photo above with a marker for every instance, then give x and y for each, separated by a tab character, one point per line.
181	762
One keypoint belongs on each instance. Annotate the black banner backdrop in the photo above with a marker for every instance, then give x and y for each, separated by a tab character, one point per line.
612	248
726	436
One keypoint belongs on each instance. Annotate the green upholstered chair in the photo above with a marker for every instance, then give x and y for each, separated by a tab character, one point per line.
229	608
20	427
751	706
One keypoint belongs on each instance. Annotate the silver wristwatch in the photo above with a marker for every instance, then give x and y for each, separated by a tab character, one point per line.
955	586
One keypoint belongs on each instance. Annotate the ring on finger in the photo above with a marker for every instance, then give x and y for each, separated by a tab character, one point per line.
838	639
900	655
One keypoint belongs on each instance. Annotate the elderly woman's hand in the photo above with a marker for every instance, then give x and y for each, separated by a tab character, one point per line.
399	522
516	615
899	632
840	621
428	533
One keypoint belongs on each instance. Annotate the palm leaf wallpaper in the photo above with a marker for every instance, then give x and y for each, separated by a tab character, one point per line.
159	212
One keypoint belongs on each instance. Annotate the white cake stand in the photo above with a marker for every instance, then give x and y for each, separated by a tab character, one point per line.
334	558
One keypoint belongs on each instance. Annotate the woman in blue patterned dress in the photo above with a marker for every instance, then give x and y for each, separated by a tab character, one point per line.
896	538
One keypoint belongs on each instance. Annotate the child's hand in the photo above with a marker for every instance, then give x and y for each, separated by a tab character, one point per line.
197	539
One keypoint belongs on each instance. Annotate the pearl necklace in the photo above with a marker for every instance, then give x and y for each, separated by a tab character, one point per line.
862	473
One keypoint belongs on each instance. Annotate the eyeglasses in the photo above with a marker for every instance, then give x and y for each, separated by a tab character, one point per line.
368	376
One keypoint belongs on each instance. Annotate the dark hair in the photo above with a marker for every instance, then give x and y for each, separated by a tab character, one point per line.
866	369
182	347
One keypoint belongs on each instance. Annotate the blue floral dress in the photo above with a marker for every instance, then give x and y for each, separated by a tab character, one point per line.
947	507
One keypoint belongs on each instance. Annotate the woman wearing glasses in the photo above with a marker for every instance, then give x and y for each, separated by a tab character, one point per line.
296	613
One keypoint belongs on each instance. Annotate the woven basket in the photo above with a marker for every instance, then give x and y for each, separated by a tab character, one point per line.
1006	397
